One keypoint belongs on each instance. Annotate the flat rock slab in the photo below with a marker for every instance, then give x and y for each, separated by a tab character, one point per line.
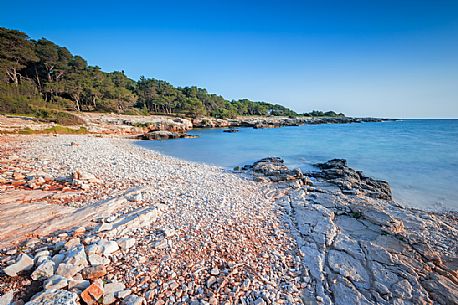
20	220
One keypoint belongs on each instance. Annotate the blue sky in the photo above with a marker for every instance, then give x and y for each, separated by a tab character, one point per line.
375	58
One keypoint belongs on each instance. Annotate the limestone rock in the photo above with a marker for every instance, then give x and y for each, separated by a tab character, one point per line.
124	293
95	272
7	298
78	284
55	282
126	243
44	270
68	270
114	287
54	297
108	246
95	260
105	226
133	300
76	256
92	294
337	172
109	298
23	262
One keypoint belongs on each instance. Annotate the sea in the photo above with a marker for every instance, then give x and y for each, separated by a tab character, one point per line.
419	158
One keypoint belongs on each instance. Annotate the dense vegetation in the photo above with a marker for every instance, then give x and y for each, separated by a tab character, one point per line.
42	78
316	113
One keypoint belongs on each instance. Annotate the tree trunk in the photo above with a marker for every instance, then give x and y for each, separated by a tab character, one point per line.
38	80
77	105
12	74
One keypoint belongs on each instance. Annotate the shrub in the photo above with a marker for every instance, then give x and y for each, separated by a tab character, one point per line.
54	130
58	117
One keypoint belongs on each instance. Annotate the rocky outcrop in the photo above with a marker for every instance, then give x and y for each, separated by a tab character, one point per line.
273	169
164	135
274	122
210	123
358	248
350	181
161	135
133	124
176	125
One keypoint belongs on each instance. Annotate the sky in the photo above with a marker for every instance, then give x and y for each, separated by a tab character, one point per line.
363	58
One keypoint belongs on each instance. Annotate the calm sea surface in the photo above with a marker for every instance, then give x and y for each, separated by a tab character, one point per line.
419	158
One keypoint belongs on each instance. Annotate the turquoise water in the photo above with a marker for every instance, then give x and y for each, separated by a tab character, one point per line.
419	158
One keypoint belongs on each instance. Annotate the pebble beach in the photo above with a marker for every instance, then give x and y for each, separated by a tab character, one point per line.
93	219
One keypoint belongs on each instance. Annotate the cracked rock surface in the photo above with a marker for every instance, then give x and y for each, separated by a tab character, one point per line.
364	250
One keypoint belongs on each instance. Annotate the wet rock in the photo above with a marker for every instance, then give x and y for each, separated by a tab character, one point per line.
273	169
337	172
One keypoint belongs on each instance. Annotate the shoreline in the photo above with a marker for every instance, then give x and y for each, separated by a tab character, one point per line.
315	228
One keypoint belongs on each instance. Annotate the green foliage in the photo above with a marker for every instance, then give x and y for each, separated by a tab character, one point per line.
54	130
18	99
58	117
316	113
44	75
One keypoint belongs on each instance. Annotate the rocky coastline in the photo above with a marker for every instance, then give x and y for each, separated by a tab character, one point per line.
98	220
359	246
156	127
276	122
